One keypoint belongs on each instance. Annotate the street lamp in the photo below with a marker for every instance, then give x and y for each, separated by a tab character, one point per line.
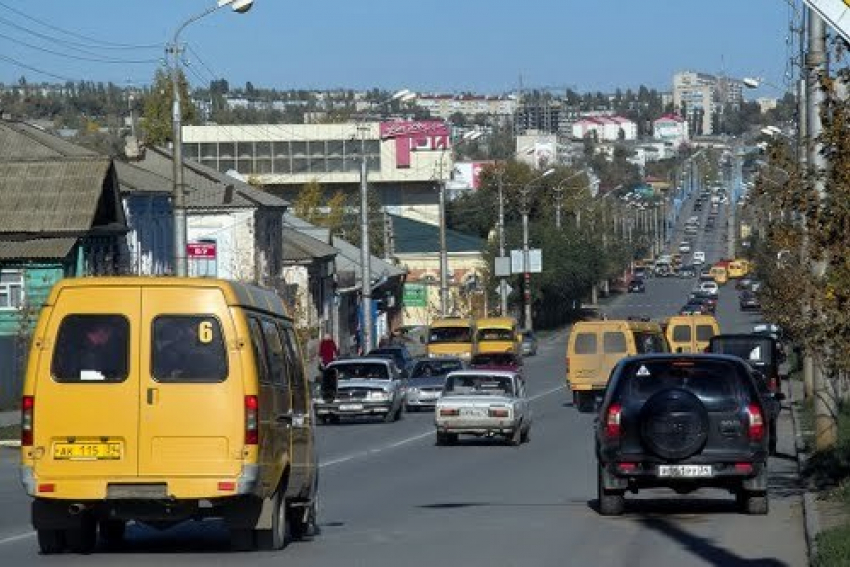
525	263
178	192
467	137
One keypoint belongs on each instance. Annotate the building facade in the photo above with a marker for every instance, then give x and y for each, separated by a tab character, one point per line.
605	128
671	128
701	99
444	106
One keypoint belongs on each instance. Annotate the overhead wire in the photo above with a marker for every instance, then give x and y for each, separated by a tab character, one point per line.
93	58
35	69
96	42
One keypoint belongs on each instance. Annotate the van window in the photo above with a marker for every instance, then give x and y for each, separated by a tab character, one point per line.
92	348
585	343
259	348
188	348
275	354
296	376
496	335
704	332
647	343
682	334
614	343
450	335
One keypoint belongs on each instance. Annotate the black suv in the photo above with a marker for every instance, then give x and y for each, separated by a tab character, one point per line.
682	422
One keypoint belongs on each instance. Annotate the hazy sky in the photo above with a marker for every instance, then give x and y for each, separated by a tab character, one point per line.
441	45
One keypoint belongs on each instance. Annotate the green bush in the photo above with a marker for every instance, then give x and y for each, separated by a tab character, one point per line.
833	547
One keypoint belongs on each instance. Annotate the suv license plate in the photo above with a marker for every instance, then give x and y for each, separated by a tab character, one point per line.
685	471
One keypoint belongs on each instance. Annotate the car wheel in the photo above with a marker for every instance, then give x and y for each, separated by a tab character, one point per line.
278	536
525	436
303	526
445	439
51	542
773	441
112	532
82	538
515	439
585	402
753	503
611	502
242	539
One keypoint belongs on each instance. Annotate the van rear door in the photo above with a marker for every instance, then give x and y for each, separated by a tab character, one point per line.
86	394
192	399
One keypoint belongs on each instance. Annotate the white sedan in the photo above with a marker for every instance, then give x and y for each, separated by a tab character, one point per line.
483	403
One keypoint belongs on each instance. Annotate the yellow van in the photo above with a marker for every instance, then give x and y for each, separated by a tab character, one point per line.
720	275
159	400
595	347
453	336
498	334
691	333
737	269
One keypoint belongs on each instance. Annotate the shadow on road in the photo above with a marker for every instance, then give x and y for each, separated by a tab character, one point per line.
704	548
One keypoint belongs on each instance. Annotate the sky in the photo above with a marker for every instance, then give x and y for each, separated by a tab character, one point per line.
485	46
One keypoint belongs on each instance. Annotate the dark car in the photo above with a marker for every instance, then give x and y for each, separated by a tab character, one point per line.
749	301
743	283
529	343
688	271
398	354
637	286
706	298
427	378
683	422
507	361
694	308
763	354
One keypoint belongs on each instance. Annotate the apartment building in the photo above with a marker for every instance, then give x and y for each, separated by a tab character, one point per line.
701	98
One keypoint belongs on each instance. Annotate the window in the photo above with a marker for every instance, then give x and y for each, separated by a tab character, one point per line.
259	348
275	354
585	343
647	343
91	349
188	349
682	334
704	332
11	289
614	343
299	382
715	383
496	335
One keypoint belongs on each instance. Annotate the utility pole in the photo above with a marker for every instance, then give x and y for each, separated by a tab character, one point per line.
816	63
444	251
526	285
178	190
365	256
503	288
559	202
803	158
387	236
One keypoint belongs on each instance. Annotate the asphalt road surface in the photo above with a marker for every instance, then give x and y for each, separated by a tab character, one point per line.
390	497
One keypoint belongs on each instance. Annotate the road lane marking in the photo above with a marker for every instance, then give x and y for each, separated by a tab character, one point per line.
13	539
408	440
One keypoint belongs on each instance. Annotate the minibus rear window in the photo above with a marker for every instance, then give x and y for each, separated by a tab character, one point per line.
188	349
92	349
682	334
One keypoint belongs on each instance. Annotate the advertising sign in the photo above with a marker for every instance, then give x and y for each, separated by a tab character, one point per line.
415	295
535	261
201	250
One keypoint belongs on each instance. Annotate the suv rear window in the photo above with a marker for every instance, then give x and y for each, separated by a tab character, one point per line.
188	348
714	382
585	343
91	349
614	343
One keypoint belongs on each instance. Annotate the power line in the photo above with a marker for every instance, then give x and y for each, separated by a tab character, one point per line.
76	57
35	70
97	43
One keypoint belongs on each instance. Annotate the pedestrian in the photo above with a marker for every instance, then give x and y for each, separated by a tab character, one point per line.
328	351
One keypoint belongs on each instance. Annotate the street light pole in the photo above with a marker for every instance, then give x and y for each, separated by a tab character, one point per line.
178	192
503	287
365	257
526	292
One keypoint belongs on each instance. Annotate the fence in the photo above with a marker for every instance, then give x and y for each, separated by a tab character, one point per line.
11	372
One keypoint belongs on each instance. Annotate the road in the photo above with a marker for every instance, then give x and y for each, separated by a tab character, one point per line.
389	496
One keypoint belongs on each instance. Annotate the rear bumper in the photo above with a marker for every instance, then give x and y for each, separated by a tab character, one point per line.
340	409
479	427
724	475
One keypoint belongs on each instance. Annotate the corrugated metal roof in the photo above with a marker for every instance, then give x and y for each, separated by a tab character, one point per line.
349	260
40	248
299	247
415	237
51	196
19	140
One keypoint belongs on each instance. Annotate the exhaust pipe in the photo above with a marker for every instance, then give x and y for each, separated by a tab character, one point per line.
77	509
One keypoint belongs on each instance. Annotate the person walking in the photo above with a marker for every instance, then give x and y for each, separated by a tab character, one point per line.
328	351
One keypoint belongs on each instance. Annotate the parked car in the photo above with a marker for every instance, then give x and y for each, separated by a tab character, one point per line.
694	308
427	378
529	343
398	354
358	387
687	271
743	283
684	247
683	422
483	403
708	287
706	298
637	286
749	301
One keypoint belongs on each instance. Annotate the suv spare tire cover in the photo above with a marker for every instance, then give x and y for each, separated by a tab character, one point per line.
674	424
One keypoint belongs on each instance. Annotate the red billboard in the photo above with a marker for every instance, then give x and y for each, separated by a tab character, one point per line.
201	250
416	135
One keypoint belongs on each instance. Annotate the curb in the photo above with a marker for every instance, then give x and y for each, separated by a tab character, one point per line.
811	519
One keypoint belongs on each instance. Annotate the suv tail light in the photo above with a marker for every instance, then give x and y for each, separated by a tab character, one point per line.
252	420
27	429
612	421
755	431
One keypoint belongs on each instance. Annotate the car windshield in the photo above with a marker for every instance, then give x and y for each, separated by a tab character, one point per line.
426	368
394	354
362	371
450	335
495	359
495	335
479	384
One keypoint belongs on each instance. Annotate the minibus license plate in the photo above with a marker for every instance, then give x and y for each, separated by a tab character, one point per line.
87	451
684	471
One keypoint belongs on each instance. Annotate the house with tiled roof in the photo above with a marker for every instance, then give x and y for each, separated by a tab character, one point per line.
672	129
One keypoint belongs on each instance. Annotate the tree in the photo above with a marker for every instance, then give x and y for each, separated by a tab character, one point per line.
156	121
335	219
308	202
